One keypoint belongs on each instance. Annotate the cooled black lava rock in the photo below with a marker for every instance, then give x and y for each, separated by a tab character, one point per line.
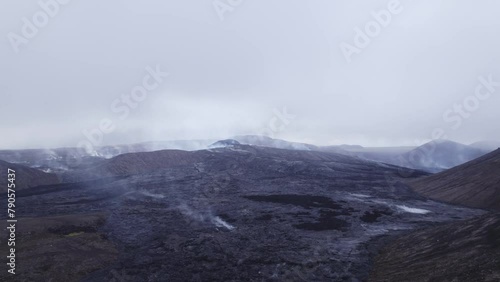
238	213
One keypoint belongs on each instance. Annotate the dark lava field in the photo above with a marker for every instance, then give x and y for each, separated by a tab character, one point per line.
240	213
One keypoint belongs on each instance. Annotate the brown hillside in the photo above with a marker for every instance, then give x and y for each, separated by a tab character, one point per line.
474	184
461	251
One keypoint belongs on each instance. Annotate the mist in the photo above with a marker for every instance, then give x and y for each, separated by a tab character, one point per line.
123	72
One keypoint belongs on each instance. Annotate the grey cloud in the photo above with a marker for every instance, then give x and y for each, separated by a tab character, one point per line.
228	76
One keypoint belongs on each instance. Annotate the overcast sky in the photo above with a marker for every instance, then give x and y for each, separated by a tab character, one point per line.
233	68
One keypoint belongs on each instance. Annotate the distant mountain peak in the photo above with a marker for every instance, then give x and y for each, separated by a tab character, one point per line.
473	184
440	154
224	143
265	141
487	145
443	142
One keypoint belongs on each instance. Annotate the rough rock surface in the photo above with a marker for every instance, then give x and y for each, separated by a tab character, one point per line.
25	177
241	213
461	251
473	184
59	248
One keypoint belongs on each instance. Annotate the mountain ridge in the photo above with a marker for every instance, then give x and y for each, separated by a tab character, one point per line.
474	184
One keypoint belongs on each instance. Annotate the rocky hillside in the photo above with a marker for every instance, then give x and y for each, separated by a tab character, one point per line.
461	251
136	163
237	213
474	184
25	177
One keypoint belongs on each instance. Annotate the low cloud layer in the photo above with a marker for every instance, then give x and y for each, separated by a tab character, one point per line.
378	73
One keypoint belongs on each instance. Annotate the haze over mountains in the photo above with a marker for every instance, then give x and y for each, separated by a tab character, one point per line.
486	145
237	212
131	127
461	251
438	155
434	156
62	159
246	212
474	184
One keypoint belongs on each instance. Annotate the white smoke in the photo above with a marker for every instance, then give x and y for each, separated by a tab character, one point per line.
204	217
413	210
149	194
221	223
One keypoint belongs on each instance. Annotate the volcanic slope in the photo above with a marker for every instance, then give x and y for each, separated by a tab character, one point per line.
239	213
136	163
25	177
474	184
460	251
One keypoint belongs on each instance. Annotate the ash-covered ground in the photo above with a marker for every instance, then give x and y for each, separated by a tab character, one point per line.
239	213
